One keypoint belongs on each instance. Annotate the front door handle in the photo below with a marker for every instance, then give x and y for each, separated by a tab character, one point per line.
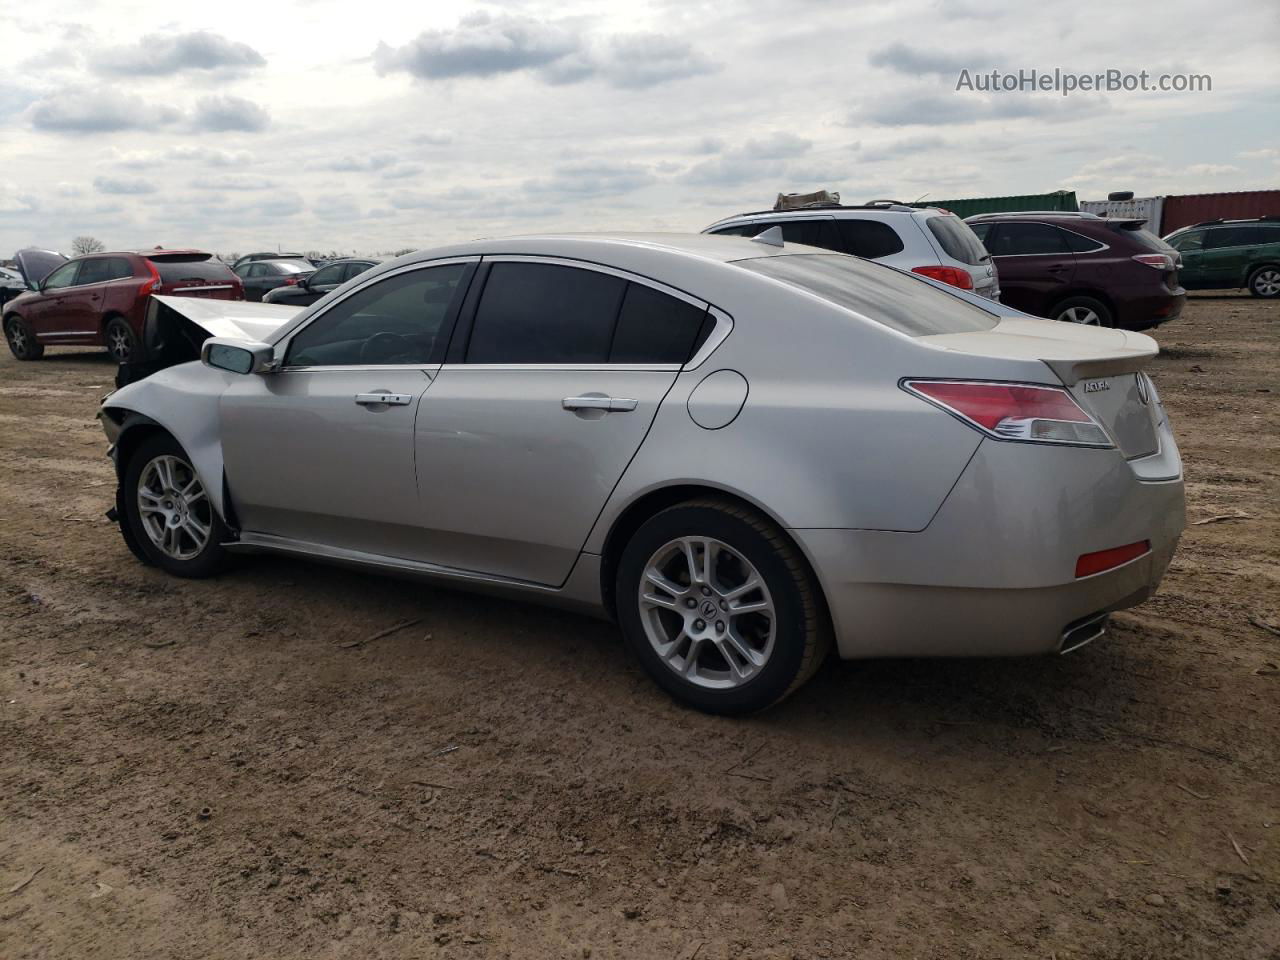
599	402
389	399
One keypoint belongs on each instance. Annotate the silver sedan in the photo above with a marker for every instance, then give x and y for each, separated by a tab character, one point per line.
741	451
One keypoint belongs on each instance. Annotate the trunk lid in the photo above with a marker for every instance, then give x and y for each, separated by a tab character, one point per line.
1100	367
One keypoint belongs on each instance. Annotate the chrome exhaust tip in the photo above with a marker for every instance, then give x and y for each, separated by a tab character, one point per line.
1077	634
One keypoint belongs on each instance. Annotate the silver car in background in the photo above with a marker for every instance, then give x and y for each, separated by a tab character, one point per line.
741	451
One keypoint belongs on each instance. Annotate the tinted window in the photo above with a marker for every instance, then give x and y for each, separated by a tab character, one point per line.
64	276
192	269
1189	241
1228	237
1143	238
957	240
1266	235
355	269
869	238
282	267
1078	243
896	299
545	313
980	230
1021	239
740	230
399	320
332	274
813	233
654	327
102	269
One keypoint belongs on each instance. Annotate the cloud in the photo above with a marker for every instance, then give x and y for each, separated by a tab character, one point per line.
915	61
1263	153
123	185
402	171
437	138
355	164
210	156
13	199
161	54
481	45
901	148
221	113
592	180
484	45
234	182
104	110
936	110
754	160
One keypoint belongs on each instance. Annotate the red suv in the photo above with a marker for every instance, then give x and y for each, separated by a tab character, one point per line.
101	299
1083	268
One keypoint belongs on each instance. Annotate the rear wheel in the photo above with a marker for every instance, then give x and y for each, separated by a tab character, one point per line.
169	512
122	342
720	608
22	341
1084	310
1265	282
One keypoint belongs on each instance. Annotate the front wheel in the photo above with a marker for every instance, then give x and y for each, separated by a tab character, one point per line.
720	608
169	512
1084	310
22	341
1265	282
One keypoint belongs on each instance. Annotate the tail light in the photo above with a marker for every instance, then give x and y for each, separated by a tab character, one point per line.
1159	261
1091	563
291	281
1014	411
952	275
149	286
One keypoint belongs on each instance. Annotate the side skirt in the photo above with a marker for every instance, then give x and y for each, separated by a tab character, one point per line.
580	592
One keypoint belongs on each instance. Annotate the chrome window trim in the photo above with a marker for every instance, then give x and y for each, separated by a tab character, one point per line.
285	335
721	331
427	369
600	268
571	367
1069	252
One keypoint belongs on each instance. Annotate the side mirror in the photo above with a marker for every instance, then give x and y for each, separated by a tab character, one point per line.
305	283
238	356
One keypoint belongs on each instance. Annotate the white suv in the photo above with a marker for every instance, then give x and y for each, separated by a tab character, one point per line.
929	241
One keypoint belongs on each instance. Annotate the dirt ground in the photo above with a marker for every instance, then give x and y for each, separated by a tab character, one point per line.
500	780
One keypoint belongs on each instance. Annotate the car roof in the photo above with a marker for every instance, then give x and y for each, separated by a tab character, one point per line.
877	206
1076	216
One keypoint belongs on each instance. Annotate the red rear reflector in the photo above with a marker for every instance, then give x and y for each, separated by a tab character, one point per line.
1091	563
952	275
1158	260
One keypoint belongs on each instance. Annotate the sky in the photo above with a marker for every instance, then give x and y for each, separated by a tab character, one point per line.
370	127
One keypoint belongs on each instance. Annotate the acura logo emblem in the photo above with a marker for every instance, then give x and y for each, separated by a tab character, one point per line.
708	608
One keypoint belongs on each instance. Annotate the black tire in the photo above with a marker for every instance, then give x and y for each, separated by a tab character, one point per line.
1074	307
22	342
122	342
1265	282
801	632
210	558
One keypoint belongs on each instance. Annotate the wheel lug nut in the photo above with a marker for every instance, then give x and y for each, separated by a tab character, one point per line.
706	591
699	625
691	603
719	626
724	605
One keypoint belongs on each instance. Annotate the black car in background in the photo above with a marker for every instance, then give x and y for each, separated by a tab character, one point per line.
328	277
12	284
259	276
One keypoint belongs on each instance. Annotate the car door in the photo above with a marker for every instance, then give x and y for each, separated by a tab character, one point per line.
1033	261
85	300
553	379
1191	274
1224	256
250	275
47	315
323	281
322	450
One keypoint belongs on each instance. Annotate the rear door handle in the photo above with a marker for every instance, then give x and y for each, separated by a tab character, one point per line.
598	402
389	399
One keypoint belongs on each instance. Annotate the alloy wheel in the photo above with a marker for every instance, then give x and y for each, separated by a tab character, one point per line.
1267	283
17	339
1081	315
119	344
707	612
175	511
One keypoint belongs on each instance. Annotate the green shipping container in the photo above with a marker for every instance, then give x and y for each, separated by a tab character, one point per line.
1059	200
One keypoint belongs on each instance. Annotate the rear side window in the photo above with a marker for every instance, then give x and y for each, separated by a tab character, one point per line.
1266	235
191	269
399	320
545	313
869	238
813	233
1078	243
957	240
102	269
654	327
1229	237
888	296
1026	239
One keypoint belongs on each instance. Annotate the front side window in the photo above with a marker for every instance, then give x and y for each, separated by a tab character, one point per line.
1027	239
398	320
354	270
545	313
331	274
64	276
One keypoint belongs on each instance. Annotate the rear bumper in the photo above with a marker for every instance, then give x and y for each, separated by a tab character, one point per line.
1143	313
994	572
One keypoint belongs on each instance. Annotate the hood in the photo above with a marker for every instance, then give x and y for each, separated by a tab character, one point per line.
239	319
1072	351
35	265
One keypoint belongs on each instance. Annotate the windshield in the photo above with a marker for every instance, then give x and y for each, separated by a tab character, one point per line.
290	266
889	296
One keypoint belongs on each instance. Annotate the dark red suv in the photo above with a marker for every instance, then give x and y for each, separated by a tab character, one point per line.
101	299
1083	268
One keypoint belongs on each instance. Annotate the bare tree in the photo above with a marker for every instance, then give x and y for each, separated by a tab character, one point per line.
82	245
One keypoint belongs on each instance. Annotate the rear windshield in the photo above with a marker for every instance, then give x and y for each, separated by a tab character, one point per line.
189	267
889	296
958	239
290	266
1144	238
